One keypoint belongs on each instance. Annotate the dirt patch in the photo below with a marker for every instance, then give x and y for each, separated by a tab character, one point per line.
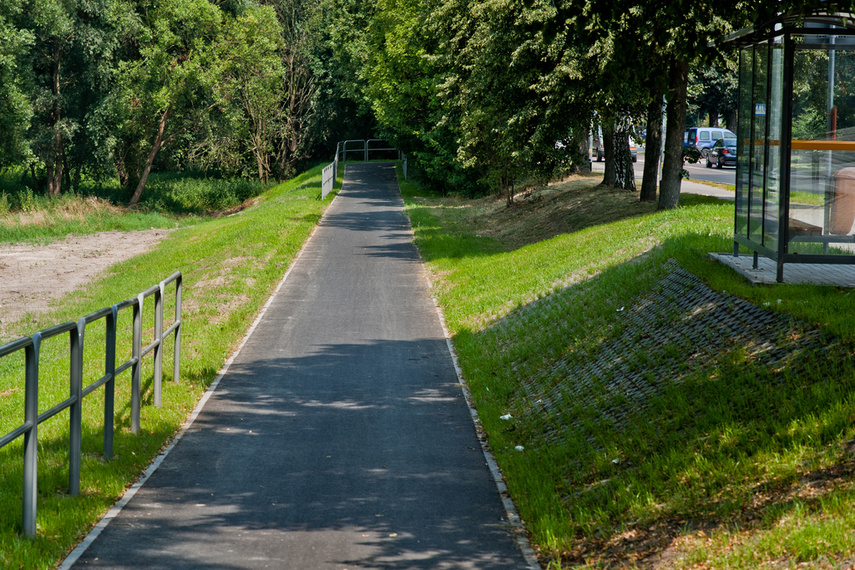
31	276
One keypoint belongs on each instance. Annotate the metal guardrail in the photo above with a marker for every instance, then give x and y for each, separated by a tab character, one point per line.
341	149
74	403
364	148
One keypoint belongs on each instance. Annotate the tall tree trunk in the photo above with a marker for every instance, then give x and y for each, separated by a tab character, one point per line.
507	185
56	154
75	183
652	144
730	120
624	172
35	178
609	173
580	151
158	143
672	168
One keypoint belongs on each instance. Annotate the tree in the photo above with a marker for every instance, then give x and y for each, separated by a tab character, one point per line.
713	91
671	37
508	126
15	108
250	97
652	146
672	165
338	58
68	62
292	138
169	87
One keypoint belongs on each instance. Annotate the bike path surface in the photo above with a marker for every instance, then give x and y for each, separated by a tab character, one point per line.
339	437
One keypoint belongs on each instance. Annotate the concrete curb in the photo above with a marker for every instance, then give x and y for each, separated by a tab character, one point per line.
514	519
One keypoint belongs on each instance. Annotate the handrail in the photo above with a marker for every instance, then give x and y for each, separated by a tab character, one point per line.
76	330
330	171
796	144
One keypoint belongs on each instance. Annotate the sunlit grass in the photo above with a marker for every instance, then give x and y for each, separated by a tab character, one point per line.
741	463
171	199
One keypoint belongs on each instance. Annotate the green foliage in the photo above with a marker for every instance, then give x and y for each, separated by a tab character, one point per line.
713	91
173	192
94	89
265	94
69	67
173	199
15	109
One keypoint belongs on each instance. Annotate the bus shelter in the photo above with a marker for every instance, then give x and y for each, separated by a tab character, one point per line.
795	173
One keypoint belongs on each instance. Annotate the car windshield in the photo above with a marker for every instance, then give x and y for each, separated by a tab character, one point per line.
730	136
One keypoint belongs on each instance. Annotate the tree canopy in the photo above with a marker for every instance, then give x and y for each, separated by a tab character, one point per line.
485	95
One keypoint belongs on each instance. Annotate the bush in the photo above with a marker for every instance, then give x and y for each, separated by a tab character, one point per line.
166	192
193	193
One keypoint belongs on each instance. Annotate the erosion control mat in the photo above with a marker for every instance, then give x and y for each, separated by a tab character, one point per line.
676	331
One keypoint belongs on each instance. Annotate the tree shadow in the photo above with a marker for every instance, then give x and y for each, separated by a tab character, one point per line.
351	455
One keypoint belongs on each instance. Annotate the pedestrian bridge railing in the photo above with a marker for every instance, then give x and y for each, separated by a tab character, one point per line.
362	148
31	347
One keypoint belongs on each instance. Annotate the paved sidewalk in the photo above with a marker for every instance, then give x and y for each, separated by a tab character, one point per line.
339	438
691	187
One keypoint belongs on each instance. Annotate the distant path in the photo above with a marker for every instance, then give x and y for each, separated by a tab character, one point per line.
339	438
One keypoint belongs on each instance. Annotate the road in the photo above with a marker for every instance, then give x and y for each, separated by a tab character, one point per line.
726	175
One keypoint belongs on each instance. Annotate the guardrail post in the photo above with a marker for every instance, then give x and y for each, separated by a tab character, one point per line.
136	369
158	349
110	386
176	353
75	427
31	438
366	151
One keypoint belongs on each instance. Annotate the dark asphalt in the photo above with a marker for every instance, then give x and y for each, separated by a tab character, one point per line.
339	438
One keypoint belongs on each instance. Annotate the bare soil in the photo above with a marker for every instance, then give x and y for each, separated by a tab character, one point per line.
33	275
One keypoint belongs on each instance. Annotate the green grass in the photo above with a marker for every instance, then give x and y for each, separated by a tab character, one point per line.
735	460
230	266
171	199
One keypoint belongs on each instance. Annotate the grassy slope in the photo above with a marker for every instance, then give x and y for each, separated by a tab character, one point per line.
230	266
741	464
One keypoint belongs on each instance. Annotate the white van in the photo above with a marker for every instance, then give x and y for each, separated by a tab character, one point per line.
702	138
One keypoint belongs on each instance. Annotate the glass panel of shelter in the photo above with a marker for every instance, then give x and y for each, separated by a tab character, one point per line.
774	124
743	135
822	156
757	167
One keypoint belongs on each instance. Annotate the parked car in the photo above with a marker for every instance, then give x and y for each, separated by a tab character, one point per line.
702	138
722	153
598	153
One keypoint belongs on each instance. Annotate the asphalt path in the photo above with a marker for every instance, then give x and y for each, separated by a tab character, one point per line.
699	171
339	437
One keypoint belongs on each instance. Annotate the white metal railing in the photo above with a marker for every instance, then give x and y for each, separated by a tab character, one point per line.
328	179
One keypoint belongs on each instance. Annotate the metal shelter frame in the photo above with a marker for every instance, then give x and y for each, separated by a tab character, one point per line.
764	214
